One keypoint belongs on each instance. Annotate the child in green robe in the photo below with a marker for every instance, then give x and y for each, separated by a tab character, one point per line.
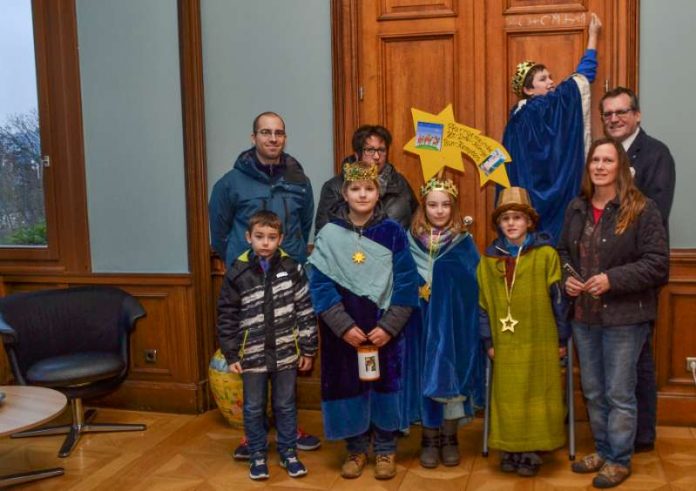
522	323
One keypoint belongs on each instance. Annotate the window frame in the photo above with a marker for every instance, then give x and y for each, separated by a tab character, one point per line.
60	126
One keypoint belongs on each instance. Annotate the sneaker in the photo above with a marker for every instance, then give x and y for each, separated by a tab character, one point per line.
509	461
529	464
292	464
589	463
242	451
385	466
353	465
611	475
307	442
258	468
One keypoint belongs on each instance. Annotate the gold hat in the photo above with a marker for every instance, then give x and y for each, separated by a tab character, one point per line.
515	198
360	171
520	74
435	184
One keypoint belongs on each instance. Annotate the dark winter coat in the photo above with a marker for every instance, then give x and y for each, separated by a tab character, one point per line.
245	190
398	201
636	262
266	320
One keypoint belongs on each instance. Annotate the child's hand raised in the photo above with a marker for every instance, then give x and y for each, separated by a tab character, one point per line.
354	336
236	367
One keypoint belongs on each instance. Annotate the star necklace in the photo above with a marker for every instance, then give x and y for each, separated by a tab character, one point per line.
508	321
358	256
425	290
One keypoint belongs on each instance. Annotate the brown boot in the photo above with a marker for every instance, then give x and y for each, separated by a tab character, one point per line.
449	446
353	465
385	466
588	464
430	448
611	475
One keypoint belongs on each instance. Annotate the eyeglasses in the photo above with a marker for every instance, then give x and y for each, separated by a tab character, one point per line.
371	151
619	114
277	133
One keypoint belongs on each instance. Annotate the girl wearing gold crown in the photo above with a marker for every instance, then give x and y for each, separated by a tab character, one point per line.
548	133
363	287
523	325
446	376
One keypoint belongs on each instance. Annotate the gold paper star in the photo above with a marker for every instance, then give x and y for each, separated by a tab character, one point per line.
359	257
424	292
509	323
457	139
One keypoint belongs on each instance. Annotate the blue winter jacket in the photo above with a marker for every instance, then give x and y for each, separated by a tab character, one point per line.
245	190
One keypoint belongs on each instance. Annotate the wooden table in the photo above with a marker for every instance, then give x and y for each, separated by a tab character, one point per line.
26	407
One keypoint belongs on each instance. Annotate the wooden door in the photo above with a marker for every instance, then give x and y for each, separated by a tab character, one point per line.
391	55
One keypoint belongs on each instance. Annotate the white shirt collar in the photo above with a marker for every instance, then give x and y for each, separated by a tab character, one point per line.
626	144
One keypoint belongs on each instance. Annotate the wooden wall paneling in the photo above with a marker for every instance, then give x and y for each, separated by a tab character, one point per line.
174	382
201	297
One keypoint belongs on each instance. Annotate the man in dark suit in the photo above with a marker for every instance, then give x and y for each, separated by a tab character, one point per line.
653	170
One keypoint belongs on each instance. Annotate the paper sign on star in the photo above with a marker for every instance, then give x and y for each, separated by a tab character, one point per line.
440	141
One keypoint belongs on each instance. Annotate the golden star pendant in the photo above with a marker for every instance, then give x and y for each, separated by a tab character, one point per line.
359	257
424	292
508	323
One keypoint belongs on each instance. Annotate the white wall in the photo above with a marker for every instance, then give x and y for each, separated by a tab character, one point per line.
667	75
270	55
131	103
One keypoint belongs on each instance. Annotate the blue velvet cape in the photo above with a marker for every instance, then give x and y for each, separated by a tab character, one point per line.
450	357
350	406
545	139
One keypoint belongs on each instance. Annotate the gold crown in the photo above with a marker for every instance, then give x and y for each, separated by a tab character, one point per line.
360	171
520	74
435	184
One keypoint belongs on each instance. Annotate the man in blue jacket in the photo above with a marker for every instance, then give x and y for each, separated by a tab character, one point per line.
263	178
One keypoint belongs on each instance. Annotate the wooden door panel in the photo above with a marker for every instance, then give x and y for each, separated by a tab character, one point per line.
401	9
544	6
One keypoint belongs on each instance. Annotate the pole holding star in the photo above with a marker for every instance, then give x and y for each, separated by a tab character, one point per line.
440	141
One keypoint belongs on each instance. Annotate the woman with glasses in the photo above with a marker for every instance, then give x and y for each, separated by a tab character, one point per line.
371	144
548	132
615	243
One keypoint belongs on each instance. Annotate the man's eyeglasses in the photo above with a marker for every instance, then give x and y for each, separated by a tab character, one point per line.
372	151
276	133
619	114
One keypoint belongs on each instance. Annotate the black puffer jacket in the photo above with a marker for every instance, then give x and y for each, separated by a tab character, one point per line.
398	201
636	262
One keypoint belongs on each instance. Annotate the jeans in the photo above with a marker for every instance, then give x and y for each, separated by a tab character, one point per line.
384	442
284	410
608	357
646	393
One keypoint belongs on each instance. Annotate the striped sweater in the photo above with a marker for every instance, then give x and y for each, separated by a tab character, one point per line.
266	320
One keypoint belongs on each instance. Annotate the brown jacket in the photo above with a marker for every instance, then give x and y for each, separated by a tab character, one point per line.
636	262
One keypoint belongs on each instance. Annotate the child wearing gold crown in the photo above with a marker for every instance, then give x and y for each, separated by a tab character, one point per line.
523	324
362	284
448	382
548	133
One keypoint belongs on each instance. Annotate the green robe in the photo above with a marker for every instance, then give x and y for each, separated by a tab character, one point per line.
527	407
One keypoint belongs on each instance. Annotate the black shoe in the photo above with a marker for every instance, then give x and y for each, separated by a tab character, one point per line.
509	461
640	447
529	464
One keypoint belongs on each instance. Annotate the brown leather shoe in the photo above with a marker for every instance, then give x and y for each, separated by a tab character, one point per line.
385	466
589	463
611	475
353	465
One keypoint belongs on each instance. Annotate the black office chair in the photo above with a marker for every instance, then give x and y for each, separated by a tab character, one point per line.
73	340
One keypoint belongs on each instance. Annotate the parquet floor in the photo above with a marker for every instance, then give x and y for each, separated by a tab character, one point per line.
183	452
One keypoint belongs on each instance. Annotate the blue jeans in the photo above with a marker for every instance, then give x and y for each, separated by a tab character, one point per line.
646	393
384	442
608	357
284	410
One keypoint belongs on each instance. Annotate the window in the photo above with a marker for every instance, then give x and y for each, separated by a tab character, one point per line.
22	207
43	217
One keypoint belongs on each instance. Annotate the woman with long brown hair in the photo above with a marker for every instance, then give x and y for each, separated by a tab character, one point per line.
614	252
